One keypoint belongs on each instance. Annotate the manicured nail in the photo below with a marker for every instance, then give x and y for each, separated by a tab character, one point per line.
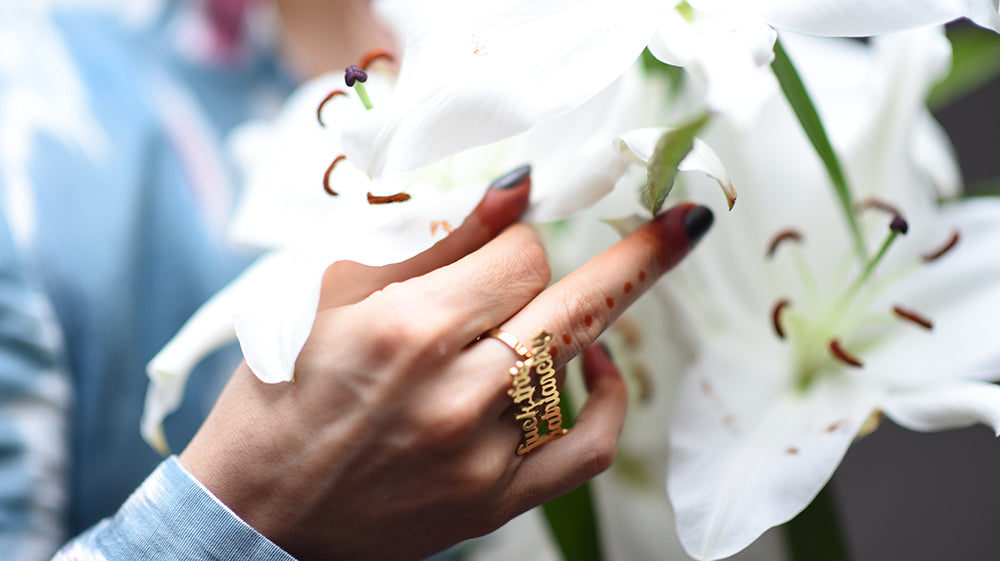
512	178
697	221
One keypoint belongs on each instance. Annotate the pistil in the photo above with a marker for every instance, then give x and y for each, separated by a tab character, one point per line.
355	77
896	227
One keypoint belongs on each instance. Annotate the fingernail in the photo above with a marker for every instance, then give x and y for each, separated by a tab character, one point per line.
512	178
697	221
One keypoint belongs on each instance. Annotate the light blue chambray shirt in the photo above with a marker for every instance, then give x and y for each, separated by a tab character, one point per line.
114	191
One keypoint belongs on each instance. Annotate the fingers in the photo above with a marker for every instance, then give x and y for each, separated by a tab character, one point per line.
578	308
347	282
589	448
451	306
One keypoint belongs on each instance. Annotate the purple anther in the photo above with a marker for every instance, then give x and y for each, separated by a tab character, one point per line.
354	73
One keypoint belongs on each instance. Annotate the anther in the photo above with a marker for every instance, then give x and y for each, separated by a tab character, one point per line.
372	56
782	236
878	204
326	176
945	249
354	73
838	352
910	315
329	96
397	198
776	317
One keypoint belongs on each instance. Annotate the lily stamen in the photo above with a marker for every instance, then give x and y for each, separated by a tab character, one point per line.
319	110
945	249
838	352
878	204
913	317
782	236
326	176
372	56
382	200
776	317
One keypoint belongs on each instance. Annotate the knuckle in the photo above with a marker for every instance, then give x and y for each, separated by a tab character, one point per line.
536	264
523	263
598	456
447	426
398	333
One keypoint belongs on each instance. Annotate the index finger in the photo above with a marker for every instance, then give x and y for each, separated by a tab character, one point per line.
578	308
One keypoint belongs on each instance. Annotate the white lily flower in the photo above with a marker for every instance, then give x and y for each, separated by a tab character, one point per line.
289	209
481	71
794	354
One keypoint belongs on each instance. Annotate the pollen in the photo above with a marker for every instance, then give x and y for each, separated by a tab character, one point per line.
935	255
326	176
776	317
838	352
914	317
384	200
783	236
319	110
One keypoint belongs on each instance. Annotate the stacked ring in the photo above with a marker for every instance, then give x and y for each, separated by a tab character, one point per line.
538	361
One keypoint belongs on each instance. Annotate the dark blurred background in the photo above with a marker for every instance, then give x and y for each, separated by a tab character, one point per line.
914	496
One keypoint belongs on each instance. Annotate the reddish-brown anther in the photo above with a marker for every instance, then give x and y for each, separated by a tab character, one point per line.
326	176
781	237
838	351
319	110
945	249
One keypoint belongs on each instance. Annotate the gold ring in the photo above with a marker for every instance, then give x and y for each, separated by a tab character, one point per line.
509	340
539	414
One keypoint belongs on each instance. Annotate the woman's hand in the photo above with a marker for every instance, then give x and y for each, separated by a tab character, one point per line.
397	438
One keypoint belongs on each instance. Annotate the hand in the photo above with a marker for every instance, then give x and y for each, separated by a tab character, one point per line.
397	438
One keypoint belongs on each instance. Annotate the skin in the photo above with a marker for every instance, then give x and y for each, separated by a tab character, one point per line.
397	438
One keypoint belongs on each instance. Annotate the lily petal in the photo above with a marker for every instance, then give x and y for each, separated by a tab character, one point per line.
477	72
856	18
772	449
207	330
728	55
951	406
702	158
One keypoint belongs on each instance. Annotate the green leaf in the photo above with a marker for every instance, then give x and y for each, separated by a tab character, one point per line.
975	61
661	170
798	97
571	517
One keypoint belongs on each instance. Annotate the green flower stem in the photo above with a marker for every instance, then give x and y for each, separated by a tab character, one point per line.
571	517
363	94
798	97
815	534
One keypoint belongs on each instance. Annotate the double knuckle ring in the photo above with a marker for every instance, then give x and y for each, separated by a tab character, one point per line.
534	389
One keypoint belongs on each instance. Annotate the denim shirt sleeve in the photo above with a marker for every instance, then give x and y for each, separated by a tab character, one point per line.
172	516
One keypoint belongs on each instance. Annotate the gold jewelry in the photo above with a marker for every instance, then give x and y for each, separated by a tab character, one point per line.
537	361
509	340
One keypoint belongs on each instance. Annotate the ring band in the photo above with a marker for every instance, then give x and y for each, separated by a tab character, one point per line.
509	340
534	371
